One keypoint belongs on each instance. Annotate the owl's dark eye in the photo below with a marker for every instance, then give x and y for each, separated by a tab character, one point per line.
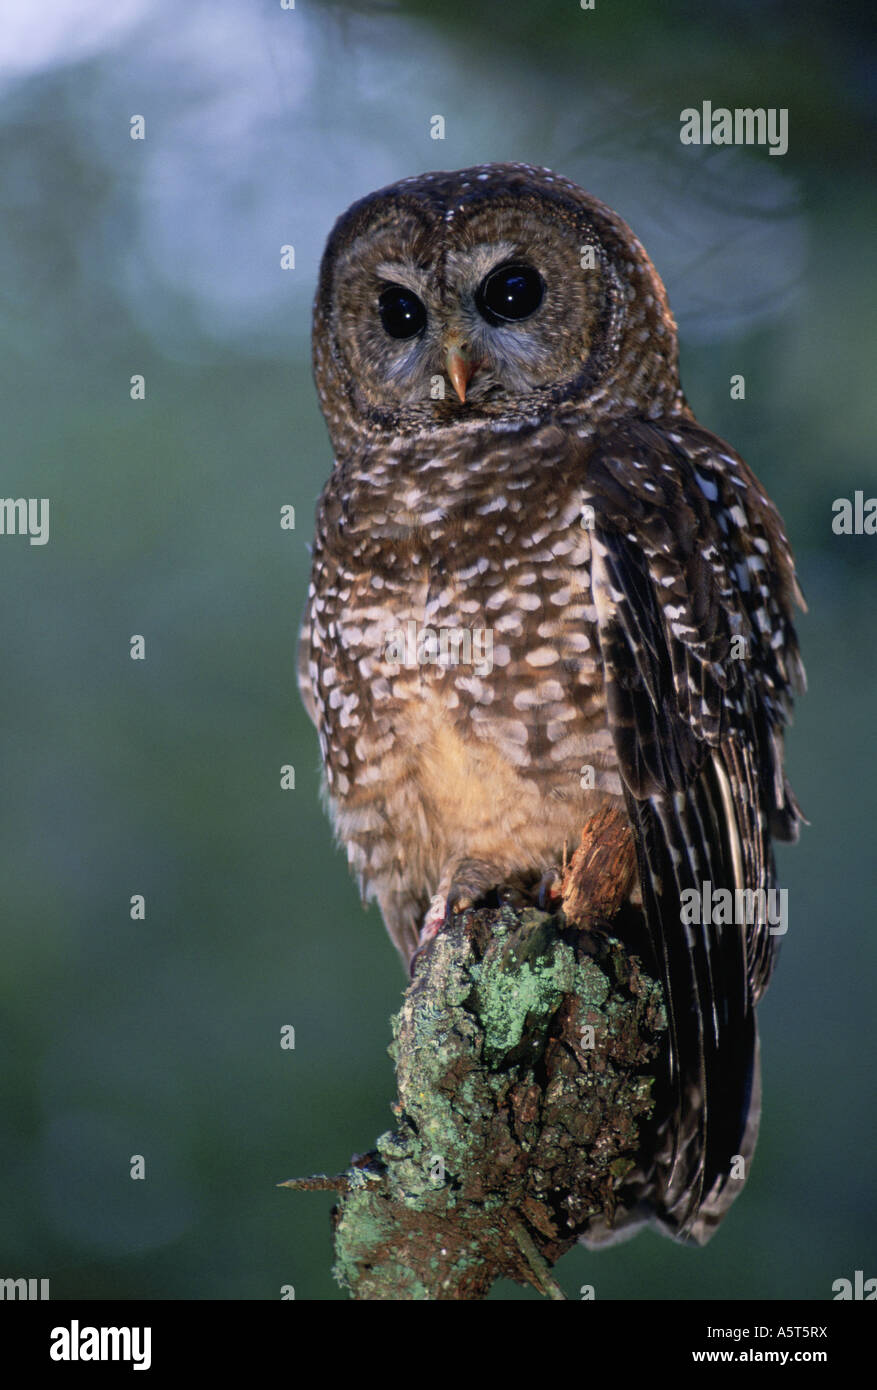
402	313
510	293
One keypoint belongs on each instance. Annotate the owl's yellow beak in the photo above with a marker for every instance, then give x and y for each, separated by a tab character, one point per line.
459	366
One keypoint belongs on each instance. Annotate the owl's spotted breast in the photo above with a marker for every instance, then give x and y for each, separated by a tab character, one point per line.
456	669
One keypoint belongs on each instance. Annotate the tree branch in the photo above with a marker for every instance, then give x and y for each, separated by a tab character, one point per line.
524	1051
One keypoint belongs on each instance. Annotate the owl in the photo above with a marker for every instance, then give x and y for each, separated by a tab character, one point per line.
539	588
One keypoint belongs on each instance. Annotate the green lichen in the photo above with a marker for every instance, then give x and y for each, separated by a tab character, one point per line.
495	1082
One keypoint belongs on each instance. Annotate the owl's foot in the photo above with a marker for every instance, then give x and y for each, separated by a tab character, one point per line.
438	915
473	880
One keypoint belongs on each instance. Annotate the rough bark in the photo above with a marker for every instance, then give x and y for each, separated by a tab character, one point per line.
524	1052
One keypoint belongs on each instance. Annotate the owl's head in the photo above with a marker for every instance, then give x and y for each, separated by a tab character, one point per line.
501	292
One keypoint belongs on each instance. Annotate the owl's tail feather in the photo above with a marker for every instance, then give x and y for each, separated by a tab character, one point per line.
688	852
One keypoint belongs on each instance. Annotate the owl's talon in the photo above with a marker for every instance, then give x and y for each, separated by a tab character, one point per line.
459	900
548	889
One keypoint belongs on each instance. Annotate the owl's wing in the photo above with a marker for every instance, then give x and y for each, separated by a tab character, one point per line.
693	584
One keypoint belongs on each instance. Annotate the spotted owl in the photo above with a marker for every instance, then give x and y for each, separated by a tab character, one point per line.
540	587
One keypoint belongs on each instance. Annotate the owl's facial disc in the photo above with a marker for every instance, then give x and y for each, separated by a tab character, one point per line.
481	308
500	293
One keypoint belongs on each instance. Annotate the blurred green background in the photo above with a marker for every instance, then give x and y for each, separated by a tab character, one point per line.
162	777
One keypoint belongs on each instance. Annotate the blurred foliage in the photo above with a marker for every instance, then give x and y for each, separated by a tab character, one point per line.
162	1037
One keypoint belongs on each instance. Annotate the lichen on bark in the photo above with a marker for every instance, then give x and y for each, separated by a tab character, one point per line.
526	1050
522	1054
